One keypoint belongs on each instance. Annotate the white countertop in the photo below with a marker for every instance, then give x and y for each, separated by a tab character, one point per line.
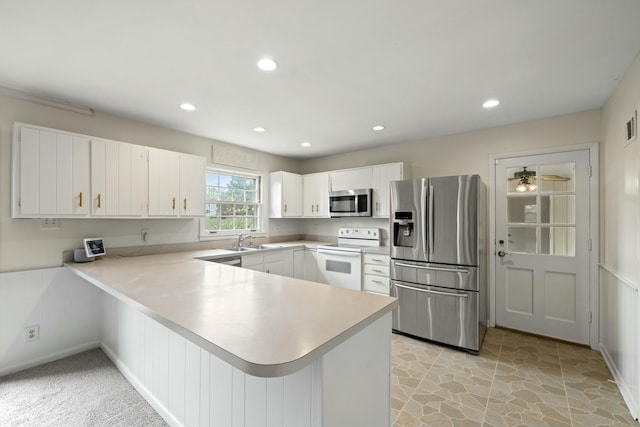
263	324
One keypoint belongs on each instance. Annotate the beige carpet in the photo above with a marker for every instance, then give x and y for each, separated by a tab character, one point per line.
82	390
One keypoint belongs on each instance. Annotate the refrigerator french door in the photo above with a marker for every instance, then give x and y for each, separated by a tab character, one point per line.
438	259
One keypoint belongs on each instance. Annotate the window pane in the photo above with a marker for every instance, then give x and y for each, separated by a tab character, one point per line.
251	223
251	196
521	239
251	210
238	195
521	209
239	223
213	223
558	241
212	209
232	202
558	177
558	209
226	210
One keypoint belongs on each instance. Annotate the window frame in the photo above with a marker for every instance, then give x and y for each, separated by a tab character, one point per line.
206	235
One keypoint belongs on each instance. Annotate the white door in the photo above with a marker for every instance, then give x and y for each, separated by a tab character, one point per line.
543	243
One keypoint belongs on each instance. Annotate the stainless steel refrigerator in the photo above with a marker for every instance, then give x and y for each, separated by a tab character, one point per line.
438	259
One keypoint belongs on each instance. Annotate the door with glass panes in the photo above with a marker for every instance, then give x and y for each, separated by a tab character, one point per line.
542	244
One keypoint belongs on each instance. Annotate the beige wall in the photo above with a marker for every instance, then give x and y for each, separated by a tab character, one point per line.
468	153
620	208
24	246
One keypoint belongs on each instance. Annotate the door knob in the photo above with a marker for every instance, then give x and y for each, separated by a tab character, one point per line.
501	253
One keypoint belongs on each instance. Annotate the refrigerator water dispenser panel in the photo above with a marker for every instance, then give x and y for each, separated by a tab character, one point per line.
403	234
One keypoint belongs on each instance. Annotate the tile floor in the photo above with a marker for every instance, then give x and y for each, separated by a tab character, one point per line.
517	380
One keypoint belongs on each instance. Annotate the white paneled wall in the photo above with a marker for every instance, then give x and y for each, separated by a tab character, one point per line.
189	386
619	336
66	308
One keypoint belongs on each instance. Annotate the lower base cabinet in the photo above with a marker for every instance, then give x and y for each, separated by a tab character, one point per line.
375	273
305	264
277	262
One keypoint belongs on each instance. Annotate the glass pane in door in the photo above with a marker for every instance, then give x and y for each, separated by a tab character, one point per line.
521	209
558	241
557	178
521	240
558	209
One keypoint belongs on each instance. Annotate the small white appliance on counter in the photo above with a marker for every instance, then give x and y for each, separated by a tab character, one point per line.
340	264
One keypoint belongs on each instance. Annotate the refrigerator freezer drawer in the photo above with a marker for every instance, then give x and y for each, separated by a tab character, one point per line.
444	315
442	275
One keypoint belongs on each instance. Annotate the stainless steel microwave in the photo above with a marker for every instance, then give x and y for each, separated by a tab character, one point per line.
350	203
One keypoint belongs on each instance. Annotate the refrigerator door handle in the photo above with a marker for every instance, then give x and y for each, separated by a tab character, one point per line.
427	291
452	270
431	220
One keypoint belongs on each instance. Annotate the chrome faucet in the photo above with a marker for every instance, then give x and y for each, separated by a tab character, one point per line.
241	238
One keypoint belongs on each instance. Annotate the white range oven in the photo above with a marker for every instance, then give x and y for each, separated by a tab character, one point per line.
340	264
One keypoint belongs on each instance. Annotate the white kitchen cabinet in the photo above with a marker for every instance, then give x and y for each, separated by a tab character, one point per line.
50	173
164	182
285	195
375	273
192	185
275	262
350	179
315	195
118	179
305	264
382	175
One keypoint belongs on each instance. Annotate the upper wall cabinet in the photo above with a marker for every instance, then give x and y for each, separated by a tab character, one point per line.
382	176
350	179
315	195
285	195
118	179
57	174
50	173
176	184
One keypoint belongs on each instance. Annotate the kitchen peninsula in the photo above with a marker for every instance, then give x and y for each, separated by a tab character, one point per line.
207	343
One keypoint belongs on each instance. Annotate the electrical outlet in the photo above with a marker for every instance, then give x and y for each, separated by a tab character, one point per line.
50	224
32	333
144	234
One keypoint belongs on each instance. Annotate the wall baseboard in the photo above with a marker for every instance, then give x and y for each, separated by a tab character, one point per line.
622	386
49	358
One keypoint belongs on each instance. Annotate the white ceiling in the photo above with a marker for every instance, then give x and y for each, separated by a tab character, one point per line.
422	68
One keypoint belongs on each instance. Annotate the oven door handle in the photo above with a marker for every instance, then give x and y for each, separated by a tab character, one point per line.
450	270
339	253
427	291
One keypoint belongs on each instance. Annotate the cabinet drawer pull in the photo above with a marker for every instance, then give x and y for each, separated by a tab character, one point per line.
451	270
317	209
312	208
378	271
285	207
427	291
377	260
174	203
81	199
99	200
378	282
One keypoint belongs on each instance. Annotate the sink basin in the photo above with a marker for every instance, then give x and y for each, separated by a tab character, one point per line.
242	249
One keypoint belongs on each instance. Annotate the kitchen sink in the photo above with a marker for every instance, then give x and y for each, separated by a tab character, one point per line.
243	248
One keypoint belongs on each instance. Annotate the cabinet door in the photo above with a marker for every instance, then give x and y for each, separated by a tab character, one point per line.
192	185
29	198
81	189
279	262
298	263
315	195
352	179
285	194
139	180
164	176
382	176
310	265
98	177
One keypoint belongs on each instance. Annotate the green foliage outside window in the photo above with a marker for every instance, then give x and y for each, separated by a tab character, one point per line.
232	202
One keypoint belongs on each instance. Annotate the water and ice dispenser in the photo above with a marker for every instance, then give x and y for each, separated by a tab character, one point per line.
403	231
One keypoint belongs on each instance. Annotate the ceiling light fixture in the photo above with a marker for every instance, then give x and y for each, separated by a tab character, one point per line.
306	144
491	103
378	127
267	64
187	107
523	184
259	129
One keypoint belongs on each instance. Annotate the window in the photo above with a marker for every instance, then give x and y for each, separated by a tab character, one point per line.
233	202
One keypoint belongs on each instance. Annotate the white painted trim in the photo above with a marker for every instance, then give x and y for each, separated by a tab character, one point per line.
594	227
620	277
140	388
49	358
627	396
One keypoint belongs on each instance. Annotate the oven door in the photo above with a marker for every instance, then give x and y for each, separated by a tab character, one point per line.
340	268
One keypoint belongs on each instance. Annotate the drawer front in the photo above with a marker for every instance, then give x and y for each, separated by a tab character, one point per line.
376	284
376	259
381	270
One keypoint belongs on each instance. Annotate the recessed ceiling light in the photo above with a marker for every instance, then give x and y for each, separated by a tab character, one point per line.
259	129
267	64
187	107
378	127
491	103
306	144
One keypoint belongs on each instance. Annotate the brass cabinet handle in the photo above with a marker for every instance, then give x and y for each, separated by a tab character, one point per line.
312	208
174	203
317	209
81	199
185	203
99	200
285	207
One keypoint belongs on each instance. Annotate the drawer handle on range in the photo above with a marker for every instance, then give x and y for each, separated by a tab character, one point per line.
339	253
449	294
451	270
